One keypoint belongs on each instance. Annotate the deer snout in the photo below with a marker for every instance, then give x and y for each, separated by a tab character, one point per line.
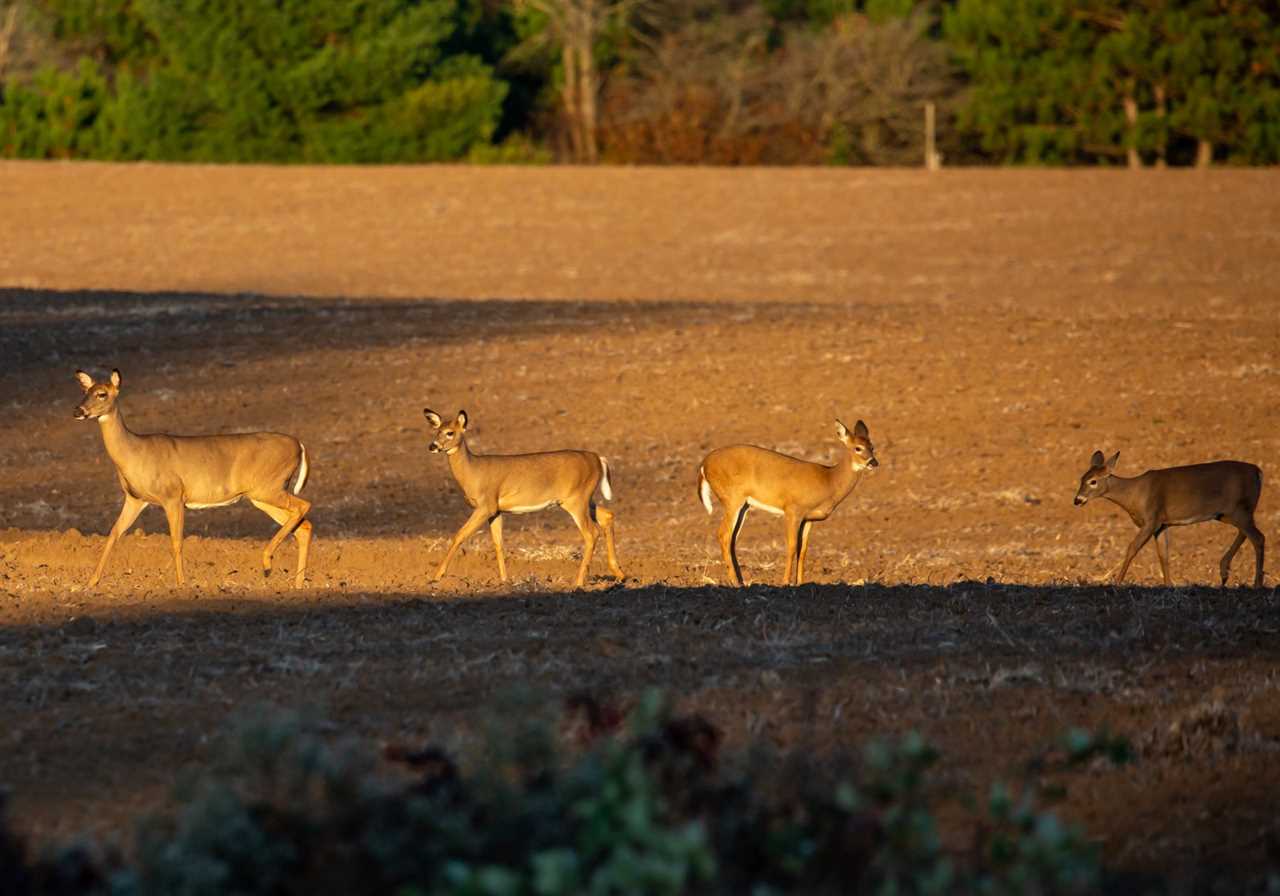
434	447
873	463
80	414
1080	502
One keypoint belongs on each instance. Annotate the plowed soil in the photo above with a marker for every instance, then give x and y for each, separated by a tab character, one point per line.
993	328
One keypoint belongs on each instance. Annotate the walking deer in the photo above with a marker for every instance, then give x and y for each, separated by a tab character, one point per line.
195	472
745	476
1225	490
494	484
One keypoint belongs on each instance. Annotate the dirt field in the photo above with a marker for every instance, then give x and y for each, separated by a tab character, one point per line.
992	328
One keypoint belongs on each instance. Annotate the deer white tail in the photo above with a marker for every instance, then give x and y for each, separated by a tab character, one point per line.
301	479
605	488
704	490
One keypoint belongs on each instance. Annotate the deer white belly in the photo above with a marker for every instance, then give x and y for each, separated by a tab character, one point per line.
529	508
760	505
192	505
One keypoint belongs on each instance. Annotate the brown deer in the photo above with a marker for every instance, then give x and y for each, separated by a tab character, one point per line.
195	472
494	484
1225	490
745	476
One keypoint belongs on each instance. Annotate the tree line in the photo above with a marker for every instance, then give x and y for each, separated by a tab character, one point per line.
1144	82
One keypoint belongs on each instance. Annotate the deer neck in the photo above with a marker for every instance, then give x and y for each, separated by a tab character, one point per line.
460	462
843	477
1123	492
117	437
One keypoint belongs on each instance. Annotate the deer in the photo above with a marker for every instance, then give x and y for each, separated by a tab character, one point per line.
182	473
1224	490
800	491
494	484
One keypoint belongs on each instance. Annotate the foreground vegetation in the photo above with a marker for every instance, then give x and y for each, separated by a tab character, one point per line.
751	81
593	802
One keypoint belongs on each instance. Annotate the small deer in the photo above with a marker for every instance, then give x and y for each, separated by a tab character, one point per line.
494	484
1225	490
745	476
195	472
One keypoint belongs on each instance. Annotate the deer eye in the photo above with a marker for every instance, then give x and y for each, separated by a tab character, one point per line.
102	394
449	434
1093	482
858	449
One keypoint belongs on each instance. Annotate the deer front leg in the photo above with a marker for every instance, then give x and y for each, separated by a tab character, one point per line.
793	523
128	516
477	519
495	532
804	549
1144	534
176	513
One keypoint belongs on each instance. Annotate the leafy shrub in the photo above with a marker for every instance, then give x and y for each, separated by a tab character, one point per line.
644	805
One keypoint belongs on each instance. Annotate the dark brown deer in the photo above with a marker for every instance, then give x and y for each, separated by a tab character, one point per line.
1224	490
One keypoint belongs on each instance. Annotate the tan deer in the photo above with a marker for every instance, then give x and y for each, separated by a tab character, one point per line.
494	484
1225	490
801	492
181	472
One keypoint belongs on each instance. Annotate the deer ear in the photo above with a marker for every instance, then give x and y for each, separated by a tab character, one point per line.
841	430
1097	460
860	429
1111	462
462	420
84	379
115	378
432	417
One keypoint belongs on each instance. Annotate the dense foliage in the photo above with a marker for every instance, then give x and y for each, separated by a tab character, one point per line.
593	804
687	81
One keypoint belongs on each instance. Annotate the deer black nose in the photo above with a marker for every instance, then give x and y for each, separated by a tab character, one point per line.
1079	500
80	414
873	463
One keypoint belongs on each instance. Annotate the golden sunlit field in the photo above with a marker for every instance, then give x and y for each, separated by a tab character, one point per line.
993	328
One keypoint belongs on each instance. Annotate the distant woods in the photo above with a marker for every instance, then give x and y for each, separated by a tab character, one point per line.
1152	82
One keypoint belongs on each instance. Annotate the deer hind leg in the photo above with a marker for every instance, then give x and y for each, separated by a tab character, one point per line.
176	513
295	510
604	517
495	532
590	533
128	516
804	549
301	533
1162	552
730	526
1242	519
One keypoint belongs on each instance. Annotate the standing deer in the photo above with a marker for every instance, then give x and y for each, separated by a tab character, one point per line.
1225	490
181	472
494	484
745	476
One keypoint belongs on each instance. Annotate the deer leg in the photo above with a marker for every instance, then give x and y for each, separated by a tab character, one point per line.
128	516
296	510
1224	567
1144	534
495	532
469	528
604	517
793	549
590	532
302	534
176	513
1162	551
804	549
730	526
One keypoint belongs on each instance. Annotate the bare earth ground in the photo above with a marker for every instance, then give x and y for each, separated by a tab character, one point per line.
992	327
